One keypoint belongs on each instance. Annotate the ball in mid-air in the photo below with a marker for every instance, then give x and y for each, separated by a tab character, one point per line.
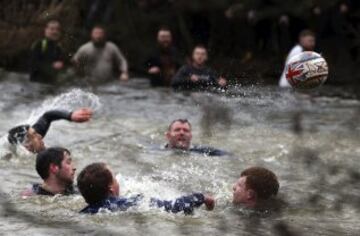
306	70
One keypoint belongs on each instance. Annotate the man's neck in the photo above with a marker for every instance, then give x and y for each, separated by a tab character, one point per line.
198	66
54	186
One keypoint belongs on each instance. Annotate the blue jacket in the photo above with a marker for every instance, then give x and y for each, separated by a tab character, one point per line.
184	204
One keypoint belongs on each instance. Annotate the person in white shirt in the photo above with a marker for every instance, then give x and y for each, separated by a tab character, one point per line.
101	60
307	41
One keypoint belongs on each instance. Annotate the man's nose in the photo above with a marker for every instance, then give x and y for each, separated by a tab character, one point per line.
234	187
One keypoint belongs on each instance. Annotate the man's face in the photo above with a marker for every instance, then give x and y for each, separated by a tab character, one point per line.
34	141
308	42
164	38
66	172
179	136
53	31
241	194
200	56
98	35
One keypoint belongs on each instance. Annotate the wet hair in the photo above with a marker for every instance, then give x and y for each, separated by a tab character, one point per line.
306	33
44	159
263	181
182	121
94	181
52	21
201	46
164	28
99	26
17	135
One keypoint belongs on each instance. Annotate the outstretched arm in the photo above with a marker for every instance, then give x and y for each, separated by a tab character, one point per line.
185	204
44	122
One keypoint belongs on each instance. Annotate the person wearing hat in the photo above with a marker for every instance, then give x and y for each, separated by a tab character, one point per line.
31	137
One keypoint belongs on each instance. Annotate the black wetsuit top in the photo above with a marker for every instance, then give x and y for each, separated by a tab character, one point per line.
43	54
44	122
168	61
207	151
38	190
182	81
184	204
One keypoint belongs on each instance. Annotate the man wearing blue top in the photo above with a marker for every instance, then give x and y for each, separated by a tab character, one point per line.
101	190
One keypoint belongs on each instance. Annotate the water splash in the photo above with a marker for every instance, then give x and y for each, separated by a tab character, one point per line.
75	98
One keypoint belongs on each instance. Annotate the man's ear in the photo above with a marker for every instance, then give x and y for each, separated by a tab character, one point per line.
167	135
112	190
53	168
251	194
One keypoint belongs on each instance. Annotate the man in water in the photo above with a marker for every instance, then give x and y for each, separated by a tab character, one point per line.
47	59
101	60
255	187
179	137
197	76
55	167
31	137
307	41
164	62
101	190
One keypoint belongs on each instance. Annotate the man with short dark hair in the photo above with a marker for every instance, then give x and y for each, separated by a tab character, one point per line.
101	60
255	186
197	76
55	167
307	41
47	59
101	190
165	61
31	137
179	136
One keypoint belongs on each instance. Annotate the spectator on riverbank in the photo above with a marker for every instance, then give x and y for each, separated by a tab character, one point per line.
46	57
164	61
307	41
197	75
101	60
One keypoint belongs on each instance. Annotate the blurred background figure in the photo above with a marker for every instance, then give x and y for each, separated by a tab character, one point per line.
46	56
101	60
307	42
197	75
165	60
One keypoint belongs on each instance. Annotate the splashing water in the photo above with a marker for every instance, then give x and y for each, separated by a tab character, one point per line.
75	98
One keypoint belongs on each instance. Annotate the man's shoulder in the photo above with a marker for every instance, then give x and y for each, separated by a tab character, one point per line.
111	45
186	67
37	189
38	43
86	46
296	49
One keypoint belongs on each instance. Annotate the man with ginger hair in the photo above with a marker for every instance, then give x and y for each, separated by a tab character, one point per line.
256	186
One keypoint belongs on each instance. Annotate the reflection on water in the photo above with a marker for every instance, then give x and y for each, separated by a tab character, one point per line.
310	141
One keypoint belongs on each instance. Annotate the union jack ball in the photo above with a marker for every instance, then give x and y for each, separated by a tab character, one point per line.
306	70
